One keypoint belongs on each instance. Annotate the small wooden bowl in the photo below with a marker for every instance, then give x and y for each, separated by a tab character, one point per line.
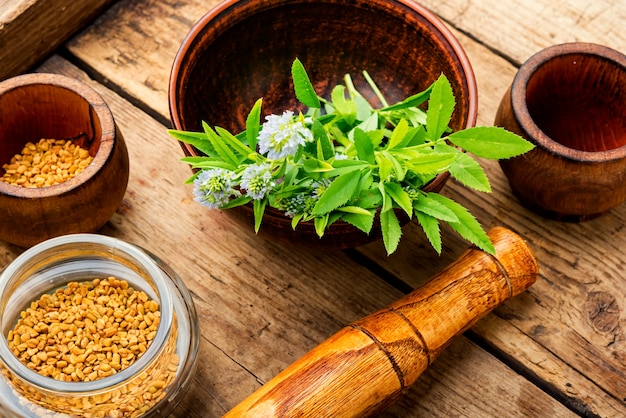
570	101
51	106
241	51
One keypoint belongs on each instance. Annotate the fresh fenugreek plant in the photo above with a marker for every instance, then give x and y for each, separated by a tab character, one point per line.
345	160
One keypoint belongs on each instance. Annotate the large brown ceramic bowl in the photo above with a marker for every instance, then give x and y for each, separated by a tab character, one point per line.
570	101
51	106
243	50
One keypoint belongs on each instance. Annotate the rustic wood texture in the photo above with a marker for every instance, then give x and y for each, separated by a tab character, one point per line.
31	29
565	334
261	310
367	365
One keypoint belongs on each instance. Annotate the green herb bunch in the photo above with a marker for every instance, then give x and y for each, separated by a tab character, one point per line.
343	160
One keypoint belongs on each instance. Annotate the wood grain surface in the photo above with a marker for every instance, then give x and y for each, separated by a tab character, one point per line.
558	350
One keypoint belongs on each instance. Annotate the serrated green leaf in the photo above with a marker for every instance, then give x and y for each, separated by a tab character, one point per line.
467	226
400	196
398	135
432	207
302	85
259	210
467	170
338	193
430	163
411	101
385	167
198	140
253	124
430	226
490	142
362	221
364	146
440	108
398	169
390	228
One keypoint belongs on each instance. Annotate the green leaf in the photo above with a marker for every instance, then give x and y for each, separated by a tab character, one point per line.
440	108
303	87
490	142
208	162
399	135
398	169
467	226
338	193
259	210
222	150
431	228
239	201
411	101
433	207
390	227
322	139
253	124
360	220
467	170
320	225
198	140
400	196
239	147
429	163
364	146
347	108
313	165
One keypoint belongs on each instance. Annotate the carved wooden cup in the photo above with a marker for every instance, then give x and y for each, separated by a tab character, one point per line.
570	101
51	106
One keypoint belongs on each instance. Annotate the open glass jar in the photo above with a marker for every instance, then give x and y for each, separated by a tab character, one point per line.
149	387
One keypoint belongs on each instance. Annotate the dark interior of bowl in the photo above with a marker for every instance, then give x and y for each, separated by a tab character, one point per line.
45	111
579	100
245	52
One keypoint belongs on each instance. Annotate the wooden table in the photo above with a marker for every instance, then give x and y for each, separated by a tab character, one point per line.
558	350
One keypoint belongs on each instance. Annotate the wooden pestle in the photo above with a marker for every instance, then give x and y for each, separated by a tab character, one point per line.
367	365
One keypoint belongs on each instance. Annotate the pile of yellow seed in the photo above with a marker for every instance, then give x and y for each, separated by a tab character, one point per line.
49	162
85	331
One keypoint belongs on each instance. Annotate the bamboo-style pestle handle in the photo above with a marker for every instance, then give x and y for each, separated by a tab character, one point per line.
368	364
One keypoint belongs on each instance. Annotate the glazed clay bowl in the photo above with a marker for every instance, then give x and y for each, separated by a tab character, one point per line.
570	101
51	106
243	50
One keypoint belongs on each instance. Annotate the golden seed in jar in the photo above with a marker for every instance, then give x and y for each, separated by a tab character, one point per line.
46	163
75	333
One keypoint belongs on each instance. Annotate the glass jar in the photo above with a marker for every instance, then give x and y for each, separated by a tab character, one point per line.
152	385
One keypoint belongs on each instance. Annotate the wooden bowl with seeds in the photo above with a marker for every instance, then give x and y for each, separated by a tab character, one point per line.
63	161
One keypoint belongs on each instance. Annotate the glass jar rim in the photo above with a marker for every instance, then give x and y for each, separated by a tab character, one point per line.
138	255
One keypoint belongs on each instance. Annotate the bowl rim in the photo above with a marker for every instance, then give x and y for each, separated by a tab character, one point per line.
526	122
183	55
97	106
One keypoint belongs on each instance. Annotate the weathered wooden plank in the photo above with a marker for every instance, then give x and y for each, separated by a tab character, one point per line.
31	29
568	313
571	276
519	29
260	310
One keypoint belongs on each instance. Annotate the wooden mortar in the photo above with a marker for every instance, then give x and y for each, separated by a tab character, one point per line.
367	365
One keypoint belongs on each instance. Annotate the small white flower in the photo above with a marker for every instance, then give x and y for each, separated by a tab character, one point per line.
281	136
257	180
319	187
214	188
